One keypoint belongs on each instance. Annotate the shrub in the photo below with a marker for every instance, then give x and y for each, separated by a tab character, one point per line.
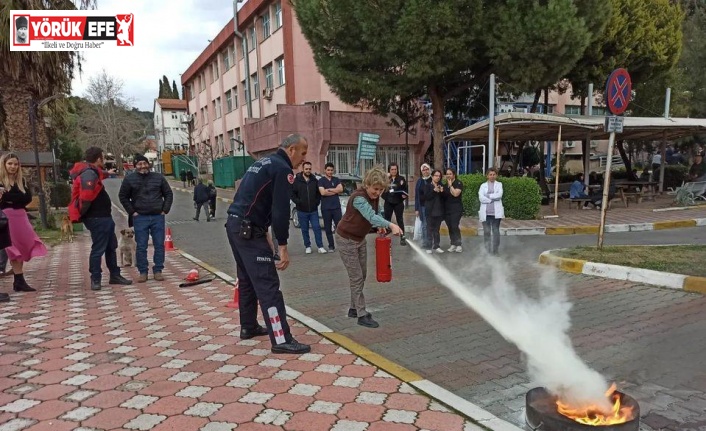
60	195
521	196
674	175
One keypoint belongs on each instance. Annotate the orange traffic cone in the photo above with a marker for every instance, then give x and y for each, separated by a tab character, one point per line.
235	303
168	243
193	275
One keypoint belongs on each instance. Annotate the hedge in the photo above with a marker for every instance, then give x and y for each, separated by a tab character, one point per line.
521	196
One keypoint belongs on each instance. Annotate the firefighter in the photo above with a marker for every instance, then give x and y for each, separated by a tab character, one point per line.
262	200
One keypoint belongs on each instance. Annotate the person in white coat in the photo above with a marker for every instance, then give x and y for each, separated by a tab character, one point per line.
491	210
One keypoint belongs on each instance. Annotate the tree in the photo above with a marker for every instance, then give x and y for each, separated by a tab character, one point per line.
162	94
107	120
438	48
175	91
31	75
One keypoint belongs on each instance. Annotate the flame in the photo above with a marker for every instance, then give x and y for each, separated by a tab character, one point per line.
591	415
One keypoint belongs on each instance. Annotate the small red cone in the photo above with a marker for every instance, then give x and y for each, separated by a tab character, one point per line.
168	243
193	275
236	297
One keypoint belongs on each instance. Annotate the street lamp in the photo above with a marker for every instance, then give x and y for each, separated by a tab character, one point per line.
33	107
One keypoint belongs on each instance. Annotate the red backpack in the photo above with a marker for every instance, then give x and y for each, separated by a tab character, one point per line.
87	184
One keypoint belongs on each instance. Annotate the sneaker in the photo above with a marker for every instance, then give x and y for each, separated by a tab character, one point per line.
158	276
119	279
429	251
438	250
331	249
196	219
368	321
452	249
95	285
322	250
587	208
142	278
352	312
308	250
459	249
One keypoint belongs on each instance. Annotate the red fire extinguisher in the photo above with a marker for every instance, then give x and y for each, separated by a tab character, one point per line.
383	258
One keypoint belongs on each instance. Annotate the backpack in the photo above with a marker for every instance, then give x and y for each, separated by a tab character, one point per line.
84	189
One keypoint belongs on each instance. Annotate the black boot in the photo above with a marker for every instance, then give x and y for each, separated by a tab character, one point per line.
119	279
20	285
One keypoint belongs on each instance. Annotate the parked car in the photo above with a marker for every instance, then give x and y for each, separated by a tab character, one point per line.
350	183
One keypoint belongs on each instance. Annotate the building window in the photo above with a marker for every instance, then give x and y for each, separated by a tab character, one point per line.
278	15
214	67
234	92
217	107
344	158
205	115
269	76
280	70
598	110
572	110
221	147
246	93
202	81
255	86
231	144
174	116
191	91
253	38
229	101
226	58
265	19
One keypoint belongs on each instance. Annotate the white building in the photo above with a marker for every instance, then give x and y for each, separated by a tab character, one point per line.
170	124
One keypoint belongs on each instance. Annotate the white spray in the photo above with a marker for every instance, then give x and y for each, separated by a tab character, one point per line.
538	327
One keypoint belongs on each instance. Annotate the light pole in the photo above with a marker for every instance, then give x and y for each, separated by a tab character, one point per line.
33	107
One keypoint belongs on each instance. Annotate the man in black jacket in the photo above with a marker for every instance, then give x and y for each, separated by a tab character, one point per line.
147	197
306	196
201	200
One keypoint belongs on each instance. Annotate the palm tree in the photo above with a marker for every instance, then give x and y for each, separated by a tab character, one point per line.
31	75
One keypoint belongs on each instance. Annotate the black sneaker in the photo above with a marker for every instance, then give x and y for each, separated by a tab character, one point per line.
368	321
119	279
4	297
293	346
95	285
352	312
403	241
246	334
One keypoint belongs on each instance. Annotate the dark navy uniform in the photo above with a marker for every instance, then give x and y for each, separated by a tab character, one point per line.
394	198
262	200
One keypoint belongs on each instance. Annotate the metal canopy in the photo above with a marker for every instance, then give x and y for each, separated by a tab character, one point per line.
520	126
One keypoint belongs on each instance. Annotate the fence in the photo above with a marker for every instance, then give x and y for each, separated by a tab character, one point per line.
227	170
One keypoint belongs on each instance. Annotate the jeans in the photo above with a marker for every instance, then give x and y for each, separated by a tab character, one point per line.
104	242
304	220
205	210
491	223
426	240
146	225
329	216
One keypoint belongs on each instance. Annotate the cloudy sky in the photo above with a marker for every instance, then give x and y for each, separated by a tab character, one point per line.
169	35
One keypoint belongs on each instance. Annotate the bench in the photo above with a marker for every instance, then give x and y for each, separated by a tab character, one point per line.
578	201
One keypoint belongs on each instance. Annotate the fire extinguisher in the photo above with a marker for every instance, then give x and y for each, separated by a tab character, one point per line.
383	258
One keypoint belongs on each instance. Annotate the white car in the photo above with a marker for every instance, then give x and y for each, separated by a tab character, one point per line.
350	183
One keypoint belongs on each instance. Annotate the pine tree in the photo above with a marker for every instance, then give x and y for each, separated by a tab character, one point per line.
162	94
175	91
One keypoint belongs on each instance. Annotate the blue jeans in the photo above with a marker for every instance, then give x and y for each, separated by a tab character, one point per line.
104	242
304	220
331	217
426	239
491	225
146	225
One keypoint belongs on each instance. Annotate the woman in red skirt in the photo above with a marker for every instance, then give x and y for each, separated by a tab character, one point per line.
14	198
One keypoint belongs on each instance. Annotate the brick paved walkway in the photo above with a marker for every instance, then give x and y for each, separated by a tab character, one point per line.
158	357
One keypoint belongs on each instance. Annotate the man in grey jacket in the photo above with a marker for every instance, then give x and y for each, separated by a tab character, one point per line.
147	198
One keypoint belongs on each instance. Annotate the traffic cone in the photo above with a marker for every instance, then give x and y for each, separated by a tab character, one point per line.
235	303
168	243
192	275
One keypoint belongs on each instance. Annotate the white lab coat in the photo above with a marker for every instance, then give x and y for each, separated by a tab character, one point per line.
494	199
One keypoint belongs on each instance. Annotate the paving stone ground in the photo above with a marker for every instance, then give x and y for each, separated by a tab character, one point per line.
155	356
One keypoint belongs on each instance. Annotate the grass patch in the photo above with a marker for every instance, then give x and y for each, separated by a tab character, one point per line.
679	259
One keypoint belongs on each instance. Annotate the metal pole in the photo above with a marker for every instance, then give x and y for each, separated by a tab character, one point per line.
587	148
556	176
491	124
33	125
663	146
606	189
246	56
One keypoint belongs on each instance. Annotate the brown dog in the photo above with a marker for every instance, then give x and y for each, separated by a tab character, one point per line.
67	229
126	247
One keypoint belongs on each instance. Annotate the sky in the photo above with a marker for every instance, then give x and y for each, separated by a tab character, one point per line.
169	36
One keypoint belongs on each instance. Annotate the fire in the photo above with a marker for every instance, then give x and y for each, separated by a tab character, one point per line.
593	416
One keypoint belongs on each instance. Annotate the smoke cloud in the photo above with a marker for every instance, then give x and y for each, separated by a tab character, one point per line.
537	326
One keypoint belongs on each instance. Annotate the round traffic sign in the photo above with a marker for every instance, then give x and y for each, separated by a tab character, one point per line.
618	91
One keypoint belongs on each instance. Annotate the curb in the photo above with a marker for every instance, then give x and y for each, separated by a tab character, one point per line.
432	390
687	283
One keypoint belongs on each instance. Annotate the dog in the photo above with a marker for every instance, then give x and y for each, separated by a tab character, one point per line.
67	229
126	247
